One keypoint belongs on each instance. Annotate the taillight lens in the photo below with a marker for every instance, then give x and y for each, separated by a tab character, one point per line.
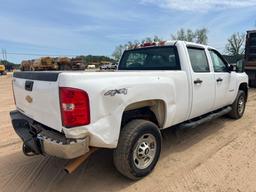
75	108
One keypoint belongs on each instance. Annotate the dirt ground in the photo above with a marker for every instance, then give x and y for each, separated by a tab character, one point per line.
217	156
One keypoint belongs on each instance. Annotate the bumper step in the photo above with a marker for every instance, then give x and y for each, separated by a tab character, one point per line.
40	139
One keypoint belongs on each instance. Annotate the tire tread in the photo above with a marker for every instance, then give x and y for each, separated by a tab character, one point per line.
129	131
234	113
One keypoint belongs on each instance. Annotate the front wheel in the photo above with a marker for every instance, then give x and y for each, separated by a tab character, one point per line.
238	106
138	149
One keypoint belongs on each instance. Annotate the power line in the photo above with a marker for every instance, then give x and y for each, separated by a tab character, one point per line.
40	54
45	54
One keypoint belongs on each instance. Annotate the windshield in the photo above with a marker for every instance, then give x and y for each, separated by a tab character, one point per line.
154	58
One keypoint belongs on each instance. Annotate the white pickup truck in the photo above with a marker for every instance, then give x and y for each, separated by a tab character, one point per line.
157	86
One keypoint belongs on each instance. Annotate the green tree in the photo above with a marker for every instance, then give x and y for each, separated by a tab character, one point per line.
94	58
235	45
118	52
9	65
199	36
180	35
156	39
190	35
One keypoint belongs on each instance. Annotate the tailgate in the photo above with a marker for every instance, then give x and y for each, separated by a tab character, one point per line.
37	96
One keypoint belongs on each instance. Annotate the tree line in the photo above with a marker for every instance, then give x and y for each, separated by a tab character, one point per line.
234	46
95	58
9	65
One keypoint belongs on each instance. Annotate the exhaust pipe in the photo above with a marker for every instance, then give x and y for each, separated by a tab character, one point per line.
75	163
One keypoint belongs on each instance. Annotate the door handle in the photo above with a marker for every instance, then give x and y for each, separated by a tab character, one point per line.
198	81
219	79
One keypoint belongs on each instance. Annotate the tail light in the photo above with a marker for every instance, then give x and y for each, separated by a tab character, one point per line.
75	108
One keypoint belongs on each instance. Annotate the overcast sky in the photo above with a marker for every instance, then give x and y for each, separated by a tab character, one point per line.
75	27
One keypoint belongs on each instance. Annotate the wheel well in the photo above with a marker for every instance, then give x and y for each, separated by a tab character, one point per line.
244	87
151	110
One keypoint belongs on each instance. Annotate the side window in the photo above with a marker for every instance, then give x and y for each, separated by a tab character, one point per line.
198	60
218	63
240	66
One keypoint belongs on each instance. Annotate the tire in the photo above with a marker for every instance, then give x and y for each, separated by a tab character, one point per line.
138	149
238	106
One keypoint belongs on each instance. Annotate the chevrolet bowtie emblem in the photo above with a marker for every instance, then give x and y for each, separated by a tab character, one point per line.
29	99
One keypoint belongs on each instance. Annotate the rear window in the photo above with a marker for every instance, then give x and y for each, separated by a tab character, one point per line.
155	58
198	60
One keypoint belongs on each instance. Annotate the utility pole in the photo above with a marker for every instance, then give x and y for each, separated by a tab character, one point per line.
4	53
2	60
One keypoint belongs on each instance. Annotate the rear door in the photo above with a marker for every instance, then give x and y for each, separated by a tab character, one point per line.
203	84
225	81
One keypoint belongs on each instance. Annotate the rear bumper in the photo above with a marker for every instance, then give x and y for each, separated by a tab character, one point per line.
44	140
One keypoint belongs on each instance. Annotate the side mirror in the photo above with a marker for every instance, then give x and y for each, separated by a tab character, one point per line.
232	67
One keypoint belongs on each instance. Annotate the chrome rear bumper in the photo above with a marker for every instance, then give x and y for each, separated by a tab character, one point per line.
40	139
71	150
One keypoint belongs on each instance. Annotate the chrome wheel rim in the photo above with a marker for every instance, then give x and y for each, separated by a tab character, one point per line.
144	151
241	105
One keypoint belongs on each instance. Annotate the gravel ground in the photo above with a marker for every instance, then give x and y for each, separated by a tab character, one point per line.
217	156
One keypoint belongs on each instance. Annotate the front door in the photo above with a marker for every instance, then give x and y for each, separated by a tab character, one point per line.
203	91
224	80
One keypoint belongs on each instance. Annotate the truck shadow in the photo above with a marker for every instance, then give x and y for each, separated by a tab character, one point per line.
20	173
175	140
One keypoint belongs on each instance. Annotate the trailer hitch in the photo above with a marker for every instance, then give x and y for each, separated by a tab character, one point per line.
31	145
28	151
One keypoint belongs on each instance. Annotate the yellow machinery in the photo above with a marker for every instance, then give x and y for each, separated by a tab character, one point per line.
50	63
2	70
41	64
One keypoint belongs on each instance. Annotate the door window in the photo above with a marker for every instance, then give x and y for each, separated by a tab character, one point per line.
198	60
219	64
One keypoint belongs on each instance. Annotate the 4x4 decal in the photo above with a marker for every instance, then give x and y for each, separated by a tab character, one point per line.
116	91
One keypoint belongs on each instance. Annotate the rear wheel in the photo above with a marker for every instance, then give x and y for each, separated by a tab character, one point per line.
238	106
138	149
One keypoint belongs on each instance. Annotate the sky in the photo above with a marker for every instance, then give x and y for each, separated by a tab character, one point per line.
83	27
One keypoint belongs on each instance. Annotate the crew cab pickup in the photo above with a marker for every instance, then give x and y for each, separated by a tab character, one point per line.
157	86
